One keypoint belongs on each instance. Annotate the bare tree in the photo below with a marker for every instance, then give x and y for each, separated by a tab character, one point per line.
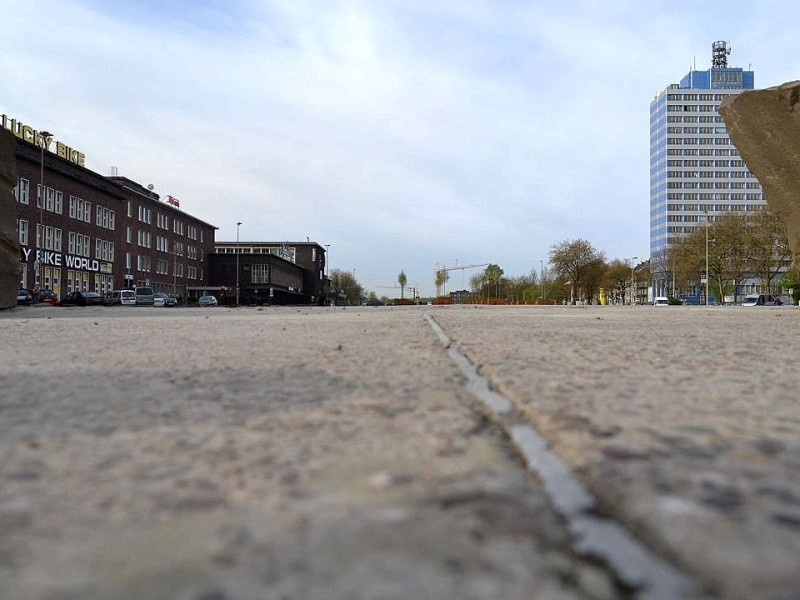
617	279
769	251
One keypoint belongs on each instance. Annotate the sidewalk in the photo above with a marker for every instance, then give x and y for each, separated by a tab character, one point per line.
337	453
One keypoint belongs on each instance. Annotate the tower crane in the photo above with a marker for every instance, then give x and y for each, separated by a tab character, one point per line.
440	274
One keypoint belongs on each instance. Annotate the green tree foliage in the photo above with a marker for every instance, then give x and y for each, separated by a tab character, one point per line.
581	263
492	276
346	288
791	282
402	280
442	277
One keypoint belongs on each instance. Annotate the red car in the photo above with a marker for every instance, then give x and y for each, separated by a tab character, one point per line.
48	297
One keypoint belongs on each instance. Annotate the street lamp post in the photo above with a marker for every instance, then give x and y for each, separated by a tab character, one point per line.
707	258
44	137
541	283
327	279
237	262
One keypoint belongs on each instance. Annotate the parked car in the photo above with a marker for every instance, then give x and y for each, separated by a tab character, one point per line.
159	299
24	298
170	301
761	300
661	301
82	299
48	297
207	301
145	296
121	298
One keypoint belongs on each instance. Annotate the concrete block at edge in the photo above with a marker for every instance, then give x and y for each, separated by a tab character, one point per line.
9	242
764	125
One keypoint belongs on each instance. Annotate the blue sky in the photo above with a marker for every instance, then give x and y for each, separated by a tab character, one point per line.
406	134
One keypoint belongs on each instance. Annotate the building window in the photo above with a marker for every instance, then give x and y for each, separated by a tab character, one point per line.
144	238
80	209
143	263
259	274
104	250
145	215
22	227
105	217
79	244
22	191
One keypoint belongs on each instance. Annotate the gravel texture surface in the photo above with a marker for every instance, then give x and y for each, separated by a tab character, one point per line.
684	423
217	454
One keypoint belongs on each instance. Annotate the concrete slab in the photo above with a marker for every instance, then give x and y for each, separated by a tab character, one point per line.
682	421
199	454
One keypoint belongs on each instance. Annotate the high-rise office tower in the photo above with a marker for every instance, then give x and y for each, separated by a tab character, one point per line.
696	173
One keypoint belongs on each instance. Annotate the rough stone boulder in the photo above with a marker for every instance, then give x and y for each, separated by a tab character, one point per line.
9	243
765	127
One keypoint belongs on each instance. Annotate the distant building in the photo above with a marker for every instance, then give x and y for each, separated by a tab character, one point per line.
269	272
695	171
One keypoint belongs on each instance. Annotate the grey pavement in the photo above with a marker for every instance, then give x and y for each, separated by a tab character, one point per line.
210	454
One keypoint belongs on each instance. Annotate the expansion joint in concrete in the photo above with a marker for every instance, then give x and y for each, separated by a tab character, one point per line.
630	562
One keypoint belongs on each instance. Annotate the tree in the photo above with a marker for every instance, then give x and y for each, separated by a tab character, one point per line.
791	282
442	277
578	260
346	288
491	277
402	280
768	246
616	279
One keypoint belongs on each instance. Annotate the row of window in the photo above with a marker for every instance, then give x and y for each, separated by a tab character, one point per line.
711	174
706	196
692	108
701	130
705	163
145	215
702	152
50	238
694	119
713	185
144	264
714	207
696	97
703	141
79	209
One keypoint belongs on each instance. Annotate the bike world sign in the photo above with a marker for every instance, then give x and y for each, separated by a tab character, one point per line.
32	136
45	258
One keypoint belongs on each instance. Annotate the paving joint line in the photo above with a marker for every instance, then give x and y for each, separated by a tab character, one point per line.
630	561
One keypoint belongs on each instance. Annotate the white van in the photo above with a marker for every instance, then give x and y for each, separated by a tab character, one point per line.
661	301
121	297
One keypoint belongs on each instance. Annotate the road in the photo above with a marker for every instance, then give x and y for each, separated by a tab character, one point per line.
410	452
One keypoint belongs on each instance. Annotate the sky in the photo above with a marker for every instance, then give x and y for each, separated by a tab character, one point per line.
402	134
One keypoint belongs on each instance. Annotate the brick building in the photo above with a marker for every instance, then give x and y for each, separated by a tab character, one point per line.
79	230
269	272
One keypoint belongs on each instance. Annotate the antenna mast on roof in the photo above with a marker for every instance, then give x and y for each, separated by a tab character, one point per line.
719	55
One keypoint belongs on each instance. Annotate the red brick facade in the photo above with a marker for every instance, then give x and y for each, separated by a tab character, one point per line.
100	233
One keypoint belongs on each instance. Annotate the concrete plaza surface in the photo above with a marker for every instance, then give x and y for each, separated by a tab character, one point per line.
210	454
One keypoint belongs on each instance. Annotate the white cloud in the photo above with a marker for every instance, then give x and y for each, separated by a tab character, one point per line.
403	134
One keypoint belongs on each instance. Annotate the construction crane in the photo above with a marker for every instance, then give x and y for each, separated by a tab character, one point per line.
440	274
